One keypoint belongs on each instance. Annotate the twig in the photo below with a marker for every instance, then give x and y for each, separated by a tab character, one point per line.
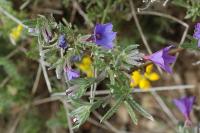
47	10
16	122
45	100
52	11
12	17
68	116
196	63
165	3
91	93
24	4
164	107
97	124
182	41
154	89
166	88
82	13
137	90
44	69
46	76
106	123
163	15
169	17
144	8
35	85
139	27
4	81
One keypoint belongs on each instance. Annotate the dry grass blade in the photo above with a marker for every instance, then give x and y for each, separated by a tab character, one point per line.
37	79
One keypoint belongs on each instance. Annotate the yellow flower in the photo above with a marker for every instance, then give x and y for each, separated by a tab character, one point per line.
86	66
135	77
143	80
153	76
16	33
149	68
144	84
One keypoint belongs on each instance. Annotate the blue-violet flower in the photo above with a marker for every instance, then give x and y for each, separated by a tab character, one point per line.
62	42
71	73
103	35
196	34
162	58
184	104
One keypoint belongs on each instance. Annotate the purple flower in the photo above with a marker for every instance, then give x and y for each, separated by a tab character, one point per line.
72	74
62	42
103	35
185	106
196	34
162	58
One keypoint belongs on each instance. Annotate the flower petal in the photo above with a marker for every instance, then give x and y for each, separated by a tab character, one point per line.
135	78
196	34
185	105
144	84
149	68
153	76
162	58
72	74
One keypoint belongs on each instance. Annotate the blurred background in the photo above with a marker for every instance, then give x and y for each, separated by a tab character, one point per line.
25	106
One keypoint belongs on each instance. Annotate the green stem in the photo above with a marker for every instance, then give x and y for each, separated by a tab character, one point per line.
105	11
3	11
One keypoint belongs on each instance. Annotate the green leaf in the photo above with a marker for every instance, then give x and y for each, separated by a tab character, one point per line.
193	44
137	107
30	23
96	104
78	102
131	113
180	3
83	84
82	113
131	47
10	68
112	110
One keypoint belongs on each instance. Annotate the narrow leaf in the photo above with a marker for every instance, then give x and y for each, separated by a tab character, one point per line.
112	110
131	113
141	110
